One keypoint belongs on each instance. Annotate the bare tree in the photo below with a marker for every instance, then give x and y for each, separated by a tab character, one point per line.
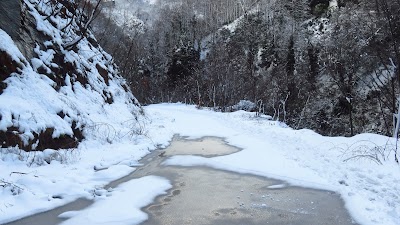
84	13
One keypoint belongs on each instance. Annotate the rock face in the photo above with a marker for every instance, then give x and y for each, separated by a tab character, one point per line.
10	23
20	26
10	17
56	82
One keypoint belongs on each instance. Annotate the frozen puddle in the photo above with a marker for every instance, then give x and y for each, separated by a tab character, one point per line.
52	217
206	196
208	146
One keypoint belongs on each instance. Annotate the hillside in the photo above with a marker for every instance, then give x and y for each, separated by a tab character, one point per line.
66	114
58	85
327	65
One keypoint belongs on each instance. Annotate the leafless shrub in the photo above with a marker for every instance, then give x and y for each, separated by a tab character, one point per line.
107	132
137	127
367	150
102	131
63	156
13	188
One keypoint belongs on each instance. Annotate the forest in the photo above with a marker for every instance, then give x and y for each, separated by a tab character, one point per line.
331	66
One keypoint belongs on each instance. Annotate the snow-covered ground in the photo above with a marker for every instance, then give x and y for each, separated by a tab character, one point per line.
371	190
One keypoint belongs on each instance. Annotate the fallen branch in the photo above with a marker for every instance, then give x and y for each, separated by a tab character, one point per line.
22	173
6	183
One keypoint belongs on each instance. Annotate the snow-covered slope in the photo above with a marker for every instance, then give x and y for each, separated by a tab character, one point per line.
69	101
61	94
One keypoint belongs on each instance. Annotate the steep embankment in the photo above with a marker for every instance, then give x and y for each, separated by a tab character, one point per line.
57	84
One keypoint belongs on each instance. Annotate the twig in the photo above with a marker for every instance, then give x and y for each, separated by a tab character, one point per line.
22	173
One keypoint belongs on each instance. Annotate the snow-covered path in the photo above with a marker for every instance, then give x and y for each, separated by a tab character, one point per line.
371	191
301	157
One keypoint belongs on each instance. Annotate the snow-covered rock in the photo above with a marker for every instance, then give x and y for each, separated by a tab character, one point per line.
67	90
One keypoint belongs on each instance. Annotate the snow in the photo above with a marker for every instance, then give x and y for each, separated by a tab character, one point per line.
133	16
208	41
32	182
68	174
124	203
297	157
117	137
233	26
31	103
333	4
377	79
278	186
8	45
245	105
151	2
370	189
